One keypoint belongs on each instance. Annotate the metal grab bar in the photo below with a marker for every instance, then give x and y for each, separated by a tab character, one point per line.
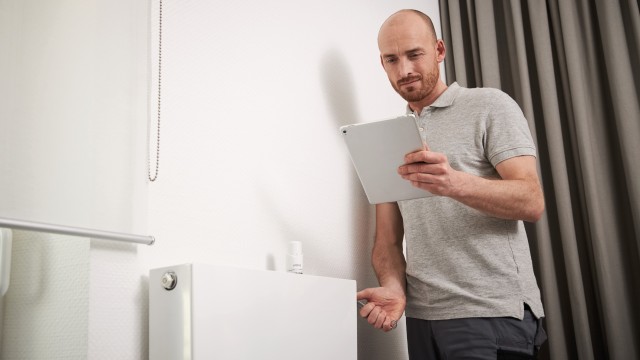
75	231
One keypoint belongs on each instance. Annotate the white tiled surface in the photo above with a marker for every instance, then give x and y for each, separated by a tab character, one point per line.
47	305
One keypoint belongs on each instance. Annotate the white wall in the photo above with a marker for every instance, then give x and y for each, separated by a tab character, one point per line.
251	156
253	95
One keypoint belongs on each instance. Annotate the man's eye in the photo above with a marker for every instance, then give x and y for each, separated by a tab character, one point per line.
414	56
390	60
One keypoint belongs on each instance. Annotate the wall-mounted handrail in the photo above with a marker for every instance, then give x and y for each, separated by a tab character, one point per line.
75	231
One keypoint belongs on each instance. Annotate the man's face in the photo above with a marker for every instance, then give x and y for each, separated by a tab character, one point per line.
410	58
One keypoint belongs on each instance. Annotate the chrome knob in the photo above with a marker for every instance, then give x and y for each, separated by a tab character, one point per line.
169	280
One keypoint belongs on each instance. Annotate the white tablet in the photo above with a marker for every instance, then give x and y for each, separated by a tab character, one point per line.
377	150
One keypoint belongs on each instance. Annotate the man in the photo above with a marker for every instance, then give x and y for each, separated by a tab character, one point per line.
467	286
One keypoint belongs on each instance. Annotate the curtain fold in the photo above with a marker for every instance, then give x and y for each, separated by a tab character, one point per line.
572	66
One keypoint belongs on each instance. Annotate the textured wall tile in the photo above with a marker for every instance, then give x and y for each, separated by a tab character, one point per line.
47	305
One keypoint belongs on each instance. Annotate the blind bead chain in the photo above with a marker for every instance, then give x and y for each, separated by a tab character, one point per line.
155	176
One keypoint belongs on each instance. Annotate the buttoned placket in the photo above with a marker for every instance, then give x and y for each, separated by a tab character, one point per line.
423	118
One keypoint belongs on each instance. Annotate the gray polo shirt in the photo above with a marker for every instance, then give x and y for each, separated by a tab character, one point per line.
460	261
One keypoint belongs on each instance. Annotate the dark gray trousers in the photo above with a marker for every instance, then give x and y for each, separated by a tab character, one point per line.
502	338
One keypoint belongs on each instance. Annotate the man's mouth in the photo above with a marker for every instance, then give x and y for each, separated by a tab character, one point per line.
407	81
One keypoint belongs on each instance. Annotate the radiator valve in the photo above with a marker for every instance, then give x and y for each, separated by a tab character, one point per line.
169	280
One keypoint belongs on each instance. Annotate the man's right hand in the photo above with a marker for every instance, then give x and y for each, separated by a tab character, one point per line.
384	307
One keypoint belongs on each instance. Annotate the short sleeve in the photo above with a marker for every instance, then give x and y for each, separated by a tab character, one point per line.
507	132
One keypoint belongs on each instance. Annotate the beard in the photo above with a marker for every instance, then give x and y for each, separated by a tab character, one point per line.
418	90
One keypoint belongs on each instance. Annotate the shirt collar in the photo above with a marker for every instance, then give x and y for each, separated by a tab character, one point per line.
445	99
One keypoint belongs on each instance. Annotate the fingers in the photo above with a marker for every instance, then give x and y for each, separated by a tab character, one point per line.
424	156
371	312
377	317
428	171
424	162
367	309
380	321
374	304
364	294
422	168
393	325
389	324
374	314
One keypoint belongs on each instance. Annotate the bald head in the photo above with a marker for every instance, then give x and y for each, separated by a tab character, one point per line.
418	20
410	54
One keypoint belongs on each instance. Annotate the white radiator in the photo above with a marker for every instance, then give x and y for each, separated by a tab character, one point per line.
236	314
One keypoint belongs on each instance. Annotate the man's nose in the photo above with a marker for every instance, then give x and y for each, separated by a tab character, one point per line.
404	68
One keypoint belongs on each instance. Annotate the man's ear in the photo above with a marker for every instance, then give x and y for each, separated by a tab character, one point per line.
441	50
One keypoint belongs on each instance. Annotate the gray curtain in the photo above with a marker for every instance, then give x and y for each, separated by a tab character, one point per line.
574	68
